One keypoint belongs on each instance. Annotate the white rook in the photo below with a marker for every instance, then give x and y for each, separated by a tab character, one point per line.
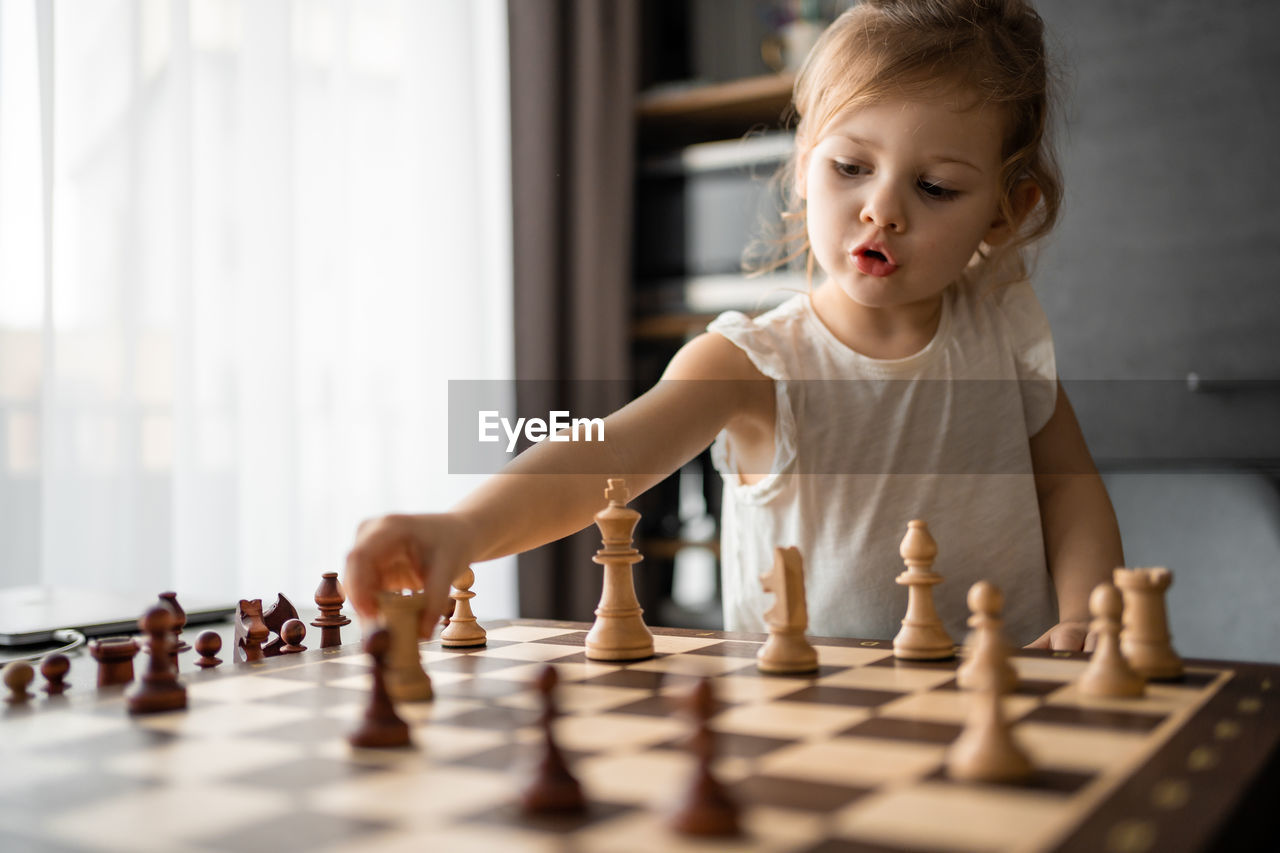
1145	638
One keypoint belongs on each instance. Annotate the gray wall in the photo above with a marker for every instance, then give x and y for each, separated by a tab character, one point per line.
1167	262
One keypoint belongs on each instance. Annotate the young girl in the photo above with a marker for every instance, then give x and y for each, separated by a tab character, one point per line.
915	380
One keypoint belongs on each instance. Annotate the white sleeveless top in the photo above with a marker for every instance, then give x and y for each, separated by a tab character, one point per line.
864	445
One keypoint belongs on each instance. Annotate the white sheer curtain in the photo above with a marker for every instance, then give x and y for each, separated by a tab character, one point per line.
243	247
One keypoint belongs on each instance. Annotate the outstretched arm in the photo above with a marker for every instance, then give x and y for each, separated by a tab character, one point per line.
554	488
1081	536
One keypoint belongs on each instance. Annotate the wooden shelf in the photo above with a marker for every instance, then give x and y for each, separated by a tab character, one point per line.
668	327
672	117
662	548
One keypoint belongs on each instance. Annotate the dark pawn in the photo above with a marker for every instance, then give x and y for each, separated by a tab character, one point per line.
159	688
208	645
54	668
18	676
382	727
330	598
553	790
707	809
293	632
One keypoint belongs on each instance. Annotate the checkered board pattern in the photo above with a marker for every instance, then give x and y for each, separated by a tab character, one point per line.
850	758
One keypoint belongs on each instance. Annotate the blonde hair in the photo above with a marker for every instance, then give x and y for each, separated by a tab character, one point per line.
992	50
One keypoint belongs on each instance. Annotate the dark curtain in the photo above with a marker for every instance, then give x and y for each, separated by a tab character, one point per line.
574	73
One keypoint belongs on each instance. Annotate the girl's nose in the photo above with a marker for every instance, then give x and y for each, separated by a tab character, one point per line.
884	209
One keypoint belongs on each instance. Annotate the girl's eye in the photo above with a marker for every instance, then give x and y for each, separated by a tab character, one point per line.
936	190
848	170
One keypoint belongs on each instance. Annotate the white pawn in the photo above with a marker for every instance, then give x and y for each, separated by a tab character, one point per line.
462	631
988	651
986	750
1108	673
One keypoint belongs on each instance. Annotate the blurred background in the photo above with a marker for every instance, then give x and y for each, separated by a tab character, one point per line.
245	247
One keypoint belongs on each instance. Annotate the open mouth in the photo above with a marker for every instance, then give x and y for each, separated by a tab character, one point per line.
873	261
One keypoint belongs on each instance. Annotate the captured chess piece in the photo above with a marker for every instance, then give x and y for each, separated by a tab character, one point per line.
988	652
706	809
54	668
159	688
462	630
292	633
250	631
619	632
18	676
1108	673
381	726
1145	639
115	659
553	789
787	650
330	598
208	644
275	617
407	681
922	636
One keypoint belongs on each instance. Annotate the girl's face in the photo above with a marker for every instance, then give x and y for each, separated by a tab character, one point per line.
900	194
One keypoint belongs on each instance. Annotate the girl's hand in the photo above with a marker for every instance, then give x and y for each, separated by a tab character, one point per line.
398	552
1065	636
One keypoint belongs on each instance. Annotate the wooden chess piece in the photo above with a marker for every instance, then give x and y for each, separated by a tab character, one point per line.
407	681
115	659
381	727
462	630
330	598
619	632
706	808
553	789
54	668
787	650
250	631
986	751
922	636
988	652
208	644
1108	673
18	676
275	617
159	688
292	634
179	622
1145	639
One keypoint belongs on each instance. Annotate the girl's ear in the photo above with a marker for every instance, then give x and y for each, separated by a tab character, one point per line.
1022	200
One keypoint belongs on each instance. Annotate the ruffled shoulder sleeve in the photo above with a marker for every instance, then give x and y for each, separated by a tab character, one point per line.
753	338
1027	330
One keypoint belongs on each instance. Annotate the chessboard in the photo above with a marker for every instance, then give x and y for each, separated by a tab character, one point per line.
850	758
